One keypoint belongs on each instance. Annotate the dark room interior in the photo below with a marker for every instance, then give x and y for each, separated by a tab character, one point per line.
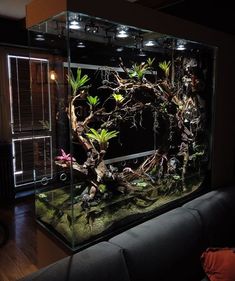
117	140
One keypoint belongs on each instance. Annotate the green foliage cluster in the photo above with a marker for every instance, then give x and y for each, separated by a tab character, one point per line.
78	82
101	137
139	70
93	101
102	187
118	97
165	66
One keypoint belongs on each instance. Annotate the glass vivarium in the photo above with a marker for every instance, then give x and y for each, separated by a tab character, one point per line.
130	124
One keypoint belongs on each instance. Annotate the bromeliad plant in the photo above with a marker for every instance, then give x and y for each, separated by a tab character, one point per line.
150	62
102	137
138	71
165	67
118	98
78	82
93	101
65	158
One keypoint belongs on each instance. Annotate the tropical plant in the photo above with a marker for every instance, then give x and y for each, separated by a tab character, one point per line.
150	61
65	157
102	138
93	101
102	187
118	97
77	82
163	107
138	71
165	66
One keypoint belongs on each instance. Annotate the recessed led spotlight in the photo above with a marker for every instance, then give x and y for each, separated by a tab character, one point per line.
119	49
81	45
40	37
181	45
141	53
75	24
122	32
149	43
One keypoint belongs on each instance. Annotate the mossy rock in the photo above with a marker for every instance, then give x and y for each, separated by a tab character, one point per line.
41	208
95	220
64	228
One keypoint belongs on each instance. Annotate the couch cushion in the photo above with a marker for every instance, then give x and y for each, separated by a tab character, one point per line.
165	248
227	196
217	212
101	262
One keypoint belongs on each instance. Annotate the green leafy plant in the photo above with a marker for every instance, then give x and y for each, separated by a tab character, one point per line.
102	137
176	177
102	187
163	107
138	71
118	97
150	61
165	66
78	82
93	101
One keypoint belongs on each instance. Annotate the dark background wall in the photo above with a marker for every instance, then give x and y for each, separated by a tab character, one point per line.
13	33
223	153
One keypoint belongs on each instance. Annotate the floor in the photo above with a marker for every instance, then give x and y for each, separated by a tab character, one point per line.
29	246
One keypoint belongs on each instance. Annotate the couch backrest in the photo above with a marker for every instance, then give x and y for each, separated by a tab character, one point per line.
101	262
165	248
216	210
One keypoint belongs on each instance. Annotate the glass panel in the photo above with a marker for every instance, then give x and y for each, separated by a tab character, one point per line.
23	153
41	98
131	119
22	117
20	91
